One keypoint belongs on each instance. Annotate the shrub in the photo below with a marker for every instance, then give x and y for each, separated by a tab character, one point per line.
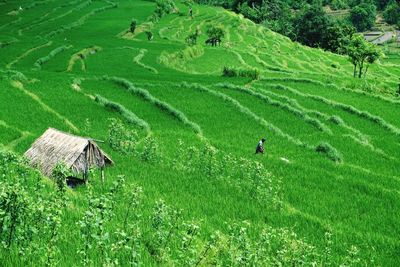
191	39
329	151
253	74
120	138
38	64
215	35
59	174
132	27
155	101
150	151
392	13
163	7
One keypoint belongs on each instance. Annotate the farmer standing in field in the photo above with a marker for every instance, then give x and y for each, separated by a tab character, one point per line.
260	146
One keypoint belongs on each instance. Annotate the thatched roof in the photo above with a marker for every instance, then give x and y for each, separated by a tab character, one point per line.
77	153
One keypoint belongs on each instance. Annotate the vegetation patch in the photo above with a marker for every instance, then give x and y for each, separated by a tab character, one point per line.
253	74
38	64
81	56
160	104
179	59
128	115
329	151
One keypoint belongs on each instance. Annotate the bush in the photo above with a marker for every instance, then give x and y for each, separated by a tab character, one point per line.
392	13
363	16
330	151
150	151
215	35
133	26
253	74
120	138
163	7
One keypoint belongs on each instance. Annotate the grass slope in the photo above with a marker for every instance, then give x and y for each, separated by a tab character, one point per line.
55	64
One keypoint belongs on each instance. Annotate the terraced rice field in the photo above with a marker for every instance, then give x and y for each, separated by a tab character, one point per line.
61	62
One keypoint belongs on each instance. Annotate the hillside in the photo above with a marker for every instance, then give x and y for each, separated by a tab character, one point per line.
332	149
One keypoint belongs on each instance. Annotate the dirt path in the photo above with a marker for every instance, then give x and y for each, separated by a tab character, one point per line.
9	65
81	55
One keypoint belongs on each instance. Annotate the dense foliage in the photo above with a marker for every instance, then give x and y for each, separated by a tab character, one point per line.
307	21
34	218
363	16
392	13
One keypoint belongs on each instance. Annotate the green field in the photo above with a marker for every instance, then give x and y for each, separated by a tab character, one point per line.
304	98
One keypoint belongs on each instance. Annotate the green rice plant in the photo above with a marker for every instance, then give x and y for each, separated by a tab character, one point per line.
158	103
38	64
350	109
178	60
329	151
14	75
81	20
359	136
138	59
298	112
248	112
128	115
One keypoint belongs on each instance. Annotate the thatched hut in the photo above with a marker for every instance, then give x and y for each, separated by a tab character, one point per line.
77	153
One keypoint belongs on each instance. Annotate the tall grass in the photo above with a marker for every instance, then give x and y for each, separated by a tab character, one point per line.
350	109
155	101
335	87
178	59
138	59
329	151
248	112
128	115
357	136
81	20
298	112
38	64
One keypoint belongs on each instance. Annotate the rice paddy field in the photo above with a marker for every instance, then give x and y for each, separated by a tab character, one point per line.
332	141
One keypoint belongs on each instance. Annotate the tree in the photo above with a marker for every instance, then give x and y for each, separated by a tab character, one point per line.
362	54
215	35
278	17
311	25
337	36
133	26
363	16
191	39
392	13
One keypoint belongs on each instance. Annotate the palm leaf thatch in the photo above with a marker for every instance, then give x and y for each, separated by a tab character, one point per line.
76	153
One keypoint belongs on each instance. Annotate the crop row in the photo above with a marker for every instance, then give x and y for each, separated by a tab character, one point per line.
128	115
350	109
155	101
299	113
